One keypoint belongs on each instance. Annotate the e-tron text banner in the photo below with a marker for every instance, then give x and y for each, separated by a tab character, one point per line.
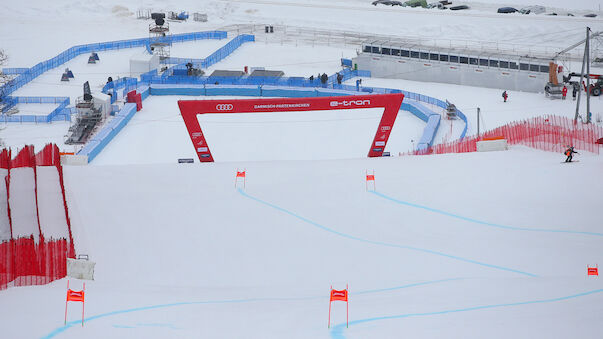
191	108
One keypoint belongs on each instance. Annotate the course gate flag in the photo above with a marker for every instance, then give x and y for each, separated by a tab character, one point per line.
75	296
592	270
339	295
370	178
240	174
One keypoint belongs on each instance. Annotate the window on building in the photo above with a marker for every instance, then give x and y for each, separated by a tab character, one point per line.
534	68
544	69
524	67
483	62
443	57
395	52
375	50
424	55
367	49
473	61
404	53
414	54
386	51
493	63
503	64
464	60
513	65
433	56
454	58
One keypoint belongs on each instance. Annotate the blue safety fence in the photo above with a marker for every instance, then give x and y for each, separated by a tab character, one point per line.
33	72
227	49
60	113
198	86
94	146
429	132
14	71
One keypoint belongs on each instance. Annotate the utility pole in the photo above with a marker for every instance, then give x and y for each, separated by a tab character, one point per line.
581	77
478	122
587	75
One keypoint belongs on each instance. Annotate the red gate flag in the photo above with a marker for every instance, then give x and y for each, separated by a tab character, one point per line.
189	109
593	270
341	295
370	177
75	296
240	174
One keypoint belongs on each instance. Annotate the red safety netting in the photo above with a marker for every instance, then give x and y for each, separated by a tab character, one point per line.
548	133
51	156
23	262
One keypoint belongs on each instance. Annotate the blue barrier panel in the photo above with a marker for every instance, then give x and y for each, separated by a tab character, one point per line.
14	71
225	50
144	91
102	139
165	89
275	91
74	51
429	132
233	90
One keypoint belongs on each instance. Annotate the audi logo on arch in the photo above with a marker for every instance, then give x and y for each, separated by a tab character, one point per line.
224	107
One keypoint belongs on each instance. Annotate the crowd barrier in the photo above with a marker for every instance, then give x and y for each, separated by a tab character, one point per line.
111	129
33	72
60	113
14	71
548	133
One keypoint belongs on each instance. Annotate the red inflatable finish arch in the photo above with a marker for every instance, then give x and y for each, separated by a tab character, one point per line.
191	108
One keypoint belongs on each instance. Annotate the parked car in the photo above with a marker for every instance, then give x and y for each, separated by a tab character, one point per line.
507	10
591	15
458	8
382	2
438	5
397	3
416	3
533	10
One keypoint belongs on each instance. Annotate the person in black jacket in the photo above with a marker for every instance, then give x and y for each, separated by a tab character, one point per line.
323	79
569	152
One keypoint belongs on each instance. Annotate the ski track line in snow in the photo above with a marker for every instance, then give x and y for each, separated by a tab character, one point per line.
380	243
485	223
70	324
337	331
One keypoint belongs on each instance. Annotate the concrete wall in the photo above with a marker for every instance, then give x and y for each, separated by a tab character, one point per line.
394	67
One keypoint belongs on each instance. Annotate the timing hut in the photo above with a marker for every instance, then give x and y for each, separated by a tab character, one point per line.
461	66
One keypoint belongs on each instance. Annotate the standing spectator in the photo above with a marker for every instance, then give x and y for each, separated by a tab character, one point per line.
323	79
505	95
563	92
574	91
339	78
311	78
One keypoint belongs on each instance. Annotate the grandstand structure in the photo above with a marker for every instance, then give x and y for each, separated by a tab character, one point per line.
403	59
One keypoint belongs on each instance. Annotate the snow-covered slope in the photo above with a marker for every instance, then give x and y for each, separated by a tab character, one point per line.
474	245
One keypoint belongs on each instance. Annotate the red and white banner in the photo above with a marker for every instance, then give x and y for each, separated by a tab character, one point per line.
191	108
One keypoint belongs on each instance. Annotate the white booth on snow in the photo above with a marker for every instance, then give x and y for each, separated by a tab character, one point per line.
142	63
103	101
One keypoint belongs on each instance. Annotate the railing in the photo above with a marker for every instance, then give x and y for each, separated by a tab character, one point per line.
61	112
548	133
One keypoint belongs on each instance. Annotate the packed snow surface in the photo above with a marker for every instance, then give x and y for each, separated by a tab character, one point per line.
472	245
